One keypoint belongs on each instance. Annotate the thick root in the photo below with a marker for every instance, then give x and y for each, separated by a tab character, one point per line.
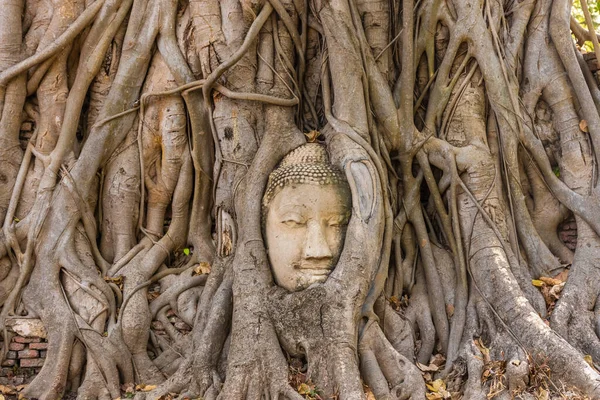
389	374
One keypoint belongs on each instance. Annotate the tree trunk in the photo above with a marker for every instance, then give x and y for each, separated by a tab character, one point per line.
135	214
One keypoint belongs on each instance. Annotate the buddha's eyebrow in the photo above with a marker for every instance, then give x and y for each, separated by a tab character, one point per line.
291	207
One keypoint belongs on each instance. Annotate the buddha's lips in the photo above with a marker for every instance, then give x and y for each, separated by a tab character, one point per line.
323	268
316	272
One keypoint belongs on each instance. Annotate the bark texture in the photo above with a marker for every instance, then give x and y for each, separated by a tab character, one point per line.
468	131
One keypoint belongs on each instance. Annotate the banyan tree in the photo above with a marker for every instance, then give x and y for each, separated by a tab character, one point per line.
360	195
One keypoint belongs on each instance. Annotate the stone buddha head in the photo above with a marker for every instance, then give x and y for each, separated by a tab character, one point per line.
306	208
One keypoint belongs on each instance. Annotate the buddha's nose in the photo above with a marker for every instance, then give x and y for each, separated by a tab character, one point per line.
316	246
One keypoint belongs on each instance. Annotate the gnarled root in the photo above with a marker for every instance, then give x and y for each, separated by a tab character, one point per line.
388	373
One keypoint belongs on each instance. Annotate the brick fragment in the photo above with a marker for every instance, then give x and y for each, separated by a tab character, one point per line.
32	362
16	346
11	355
21	339
29	354
38	346
8	363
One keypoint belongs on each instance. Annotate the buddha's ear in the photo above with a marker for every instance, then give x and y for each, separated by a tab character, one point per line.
360	176
354	160
364	235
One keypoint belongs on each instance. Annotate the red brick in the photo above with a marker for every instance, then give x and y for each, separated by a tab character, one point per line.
32	363
8	363
29	354
21	339
16	346
39	346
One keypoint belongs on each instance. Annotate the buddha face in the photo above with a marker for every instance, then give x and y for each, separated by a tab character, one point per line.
305	230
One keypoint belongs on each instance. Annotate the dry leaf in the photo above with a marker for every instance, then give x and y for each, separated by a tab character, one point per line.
303	388
550	281
485	352
369	393
583	125
562	276
556	290
145	388
436	385
438	360
117	280
543	394
537	282
588	359
434	396
227	242
449	310
311	137
395	302
202	268
6	390
427	368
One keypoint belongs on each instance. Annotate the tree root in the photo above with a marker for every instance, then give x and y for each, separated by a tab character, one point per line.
387	372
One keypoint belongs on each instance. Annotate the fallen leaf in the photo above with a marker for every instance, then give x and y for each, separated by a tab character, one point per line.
202	268
311	137
145	388
556	290
427	368
395	302
369	393
543	394
583	125
304	388
117	280
562	276
485	352
449	310
6	390
437	360
550	281
434	396
588	359
537	282
227	242
437	385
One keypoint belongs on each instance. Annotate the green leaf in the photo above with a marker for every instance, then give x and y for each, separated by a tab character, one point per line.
186	251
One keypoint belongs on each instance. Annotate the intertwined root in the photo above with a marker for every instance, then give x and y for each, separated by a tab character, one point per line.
388	373
468	75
